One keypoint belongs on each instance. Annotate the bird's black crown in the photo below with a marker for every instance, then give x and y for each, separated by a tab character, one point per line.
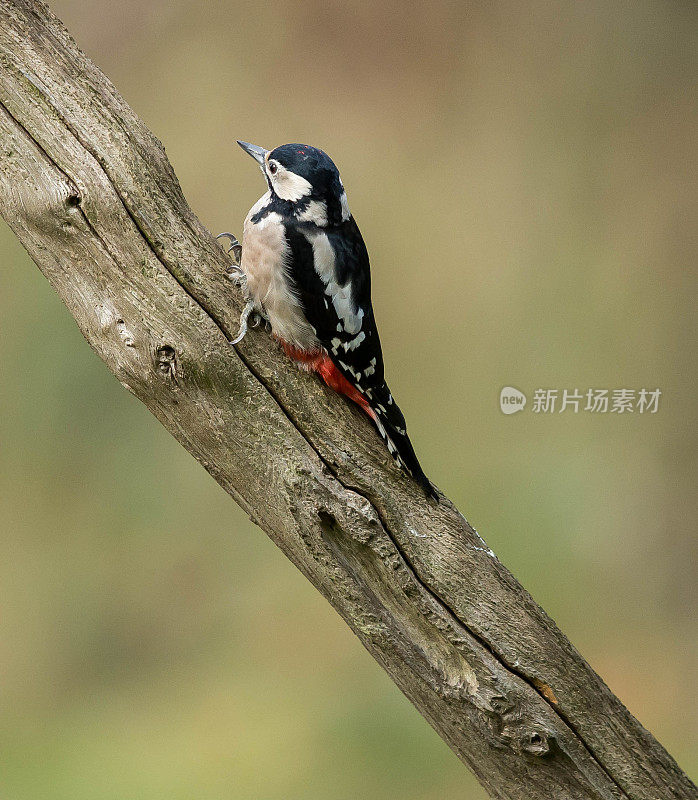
312	164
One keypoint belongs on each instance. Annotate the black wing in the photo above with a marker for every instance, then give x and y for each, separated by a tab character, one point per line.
333	285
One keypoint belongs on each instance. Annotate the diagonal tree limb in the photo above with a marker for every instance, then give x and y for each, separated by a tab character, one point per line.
91	195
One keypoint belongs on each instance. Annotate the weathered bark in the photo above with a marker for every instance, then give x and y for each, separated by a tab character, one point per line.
91	195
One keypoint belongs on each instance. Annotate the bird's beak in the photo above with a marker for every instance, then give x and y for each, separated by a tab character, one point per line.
253	150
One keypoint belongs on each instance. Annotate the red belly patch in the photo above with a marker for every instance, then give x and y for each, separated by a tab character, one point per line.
317	361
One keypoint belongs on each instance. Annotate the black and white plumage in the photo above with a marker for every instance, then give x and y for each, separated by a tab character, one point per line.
305	269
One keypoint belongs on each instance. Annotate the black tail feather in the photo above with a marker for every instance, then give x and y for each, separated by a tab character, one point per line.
391	425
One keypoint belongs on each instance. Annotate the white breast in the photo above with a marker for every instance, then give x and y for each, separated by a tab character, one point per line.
265	258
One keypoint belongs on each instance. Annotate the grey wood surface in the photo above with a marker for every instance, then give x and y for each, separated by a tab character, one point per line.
91	195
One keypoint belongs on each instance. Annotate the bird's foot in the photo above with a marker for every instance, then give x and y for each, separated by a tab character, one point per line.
235	246
251	317
238	277
235	273
259	317
246	311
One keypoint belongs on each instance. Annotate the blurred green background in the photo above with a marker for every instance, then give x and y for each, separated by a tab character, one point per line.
521	173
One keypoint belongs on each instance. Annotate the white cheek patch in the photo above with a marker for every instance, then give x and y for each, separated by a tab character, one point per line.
289	186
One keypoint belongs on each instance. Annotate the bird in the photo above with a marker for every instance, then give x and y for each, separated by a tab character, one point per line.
304	269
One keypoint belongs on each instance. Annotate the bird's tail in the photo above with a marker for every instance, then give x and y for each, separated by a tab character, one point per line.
378	404
390	423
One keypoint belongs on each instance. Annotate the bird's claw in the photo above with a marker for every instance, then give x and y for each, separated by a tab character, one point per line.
235	246
258	317
238	277
246	311
235	272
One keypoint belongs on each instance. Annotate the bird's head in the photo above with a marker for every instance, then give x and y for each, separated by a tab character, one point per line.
306	179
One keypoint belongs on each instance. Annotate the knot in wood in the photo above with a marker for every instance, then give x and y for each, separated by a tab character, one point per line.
166	362
52	208
535	742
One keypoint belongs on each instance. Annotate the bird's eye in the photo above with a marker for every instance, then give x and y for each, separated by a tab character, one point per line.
272	168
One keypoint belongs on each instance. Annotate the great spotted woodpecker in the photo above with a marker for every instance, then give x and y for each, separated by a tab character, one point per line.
304	268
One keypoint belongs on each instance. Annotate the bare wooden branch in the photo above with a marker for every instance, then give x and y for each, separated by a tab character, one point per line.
90	193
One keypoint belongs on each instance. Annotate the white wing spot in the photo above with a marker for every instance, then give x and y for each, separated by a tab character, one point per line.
344	203
324	262
354	343
348	368
323	256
